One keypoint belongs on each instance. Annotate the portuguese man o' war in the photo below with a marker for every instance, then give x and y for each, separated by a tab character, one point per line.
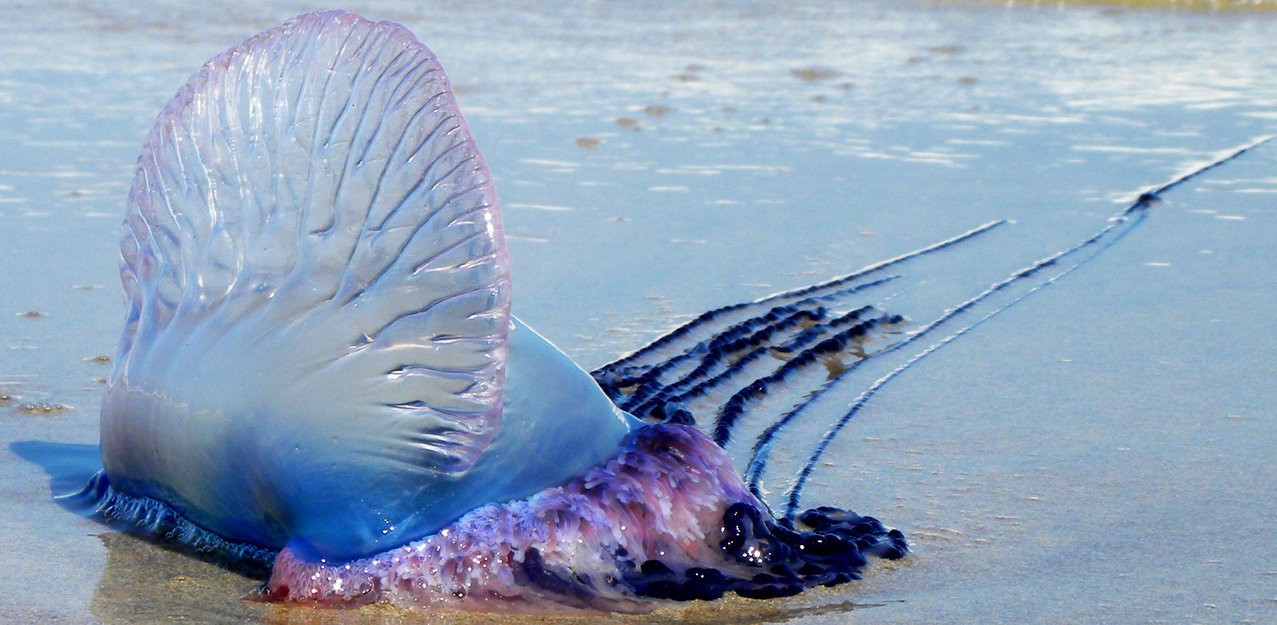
320	380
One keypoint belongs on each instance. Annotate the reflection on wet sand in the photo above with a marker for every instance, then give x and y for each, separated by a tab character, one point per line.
144	583
987	456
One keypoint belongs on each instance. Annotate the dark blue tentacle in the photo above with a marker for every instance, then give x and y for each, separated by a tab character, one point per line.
1118	226
682	338
826	547
795	491
758	343
716	350
646	377
735	406
635	384
794	344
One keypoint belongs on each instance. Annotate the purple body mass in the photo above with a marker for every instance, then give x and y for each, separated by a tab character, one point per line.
319	378
667	518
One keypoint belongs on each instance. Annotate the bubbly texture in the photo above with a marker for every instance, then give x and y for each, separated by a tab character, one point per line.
320	382
666	519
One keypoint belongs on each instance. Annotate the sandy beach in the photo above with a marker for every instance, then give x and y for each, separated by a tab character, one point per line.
1099	453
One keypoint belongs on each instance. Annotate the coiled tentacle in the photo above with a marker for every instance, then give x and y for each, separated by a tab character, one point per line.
667	519
319	370
671	399
686	336
633	383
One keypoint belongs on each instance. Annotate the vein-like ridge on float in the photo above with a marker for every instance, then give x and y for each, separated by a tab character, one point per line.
319	375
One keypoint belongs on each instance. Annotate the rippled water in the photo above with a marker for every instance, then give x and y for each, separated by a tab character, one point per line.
1100	453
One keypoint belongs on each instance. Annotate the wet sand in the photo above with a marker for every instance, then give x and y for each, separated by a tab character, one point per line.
1099	453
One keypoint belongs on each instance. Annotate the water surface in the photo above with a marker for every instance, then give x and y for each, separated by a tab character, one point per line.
1099	453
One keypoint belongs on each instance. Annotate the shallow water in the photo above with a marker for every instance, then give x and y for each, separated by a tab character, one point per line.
1099	453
